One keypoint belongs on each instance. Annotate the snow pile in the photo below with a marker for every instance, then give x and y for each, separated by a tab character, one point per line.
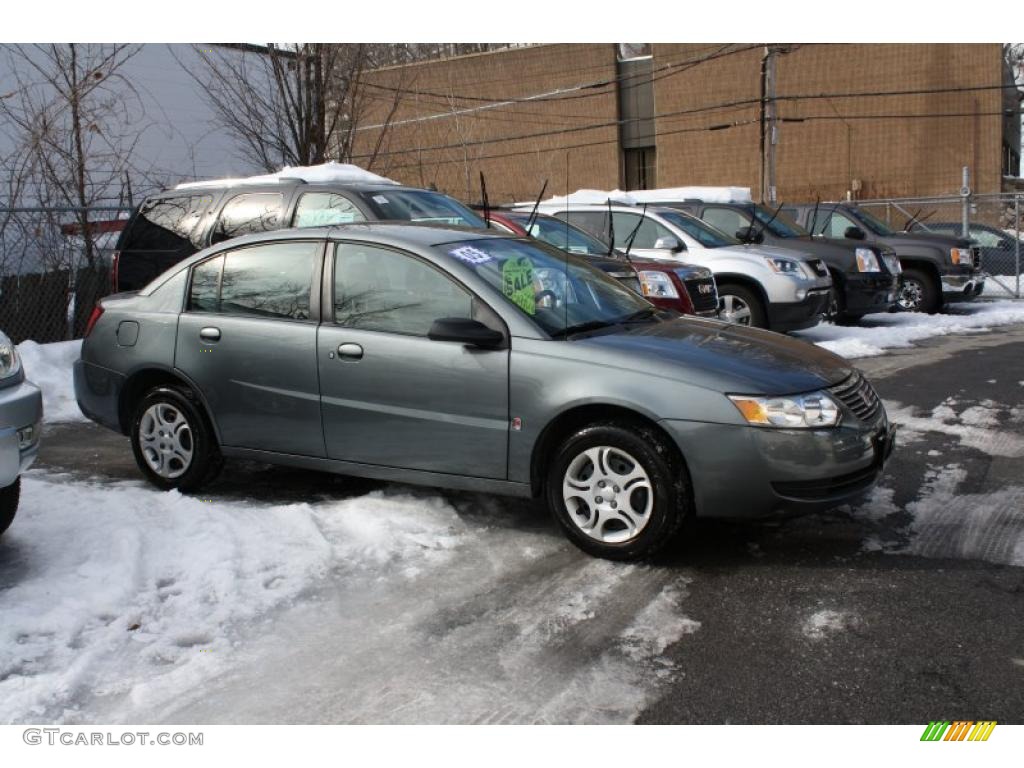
49	366
887	331
641	196
341	173
973	427
825	623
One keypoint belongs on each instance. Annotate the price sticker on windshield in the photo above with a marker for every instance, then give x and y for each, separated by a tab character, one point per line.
517	284
470	255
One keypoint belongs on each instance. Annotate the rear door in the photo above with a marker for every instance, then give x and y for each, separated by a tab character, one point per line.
162	232
390	395
248	341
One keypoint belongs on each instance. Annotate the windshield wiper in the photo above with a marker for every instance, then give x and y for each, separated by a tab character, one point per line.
590	325
647	313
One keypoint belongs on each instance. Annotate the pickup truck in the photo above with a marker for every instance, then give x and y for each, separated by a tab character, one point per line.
936	268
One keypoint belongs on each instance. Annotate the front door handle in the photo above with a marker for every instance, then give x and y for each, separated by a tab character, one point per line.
350	352
210	334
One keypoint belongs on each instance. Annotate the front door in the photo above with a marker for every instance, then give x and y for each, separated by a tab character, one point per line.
248	341
390	395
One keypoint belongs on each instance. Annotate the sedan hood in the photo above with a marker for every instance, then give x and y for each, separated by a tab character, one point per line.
718	356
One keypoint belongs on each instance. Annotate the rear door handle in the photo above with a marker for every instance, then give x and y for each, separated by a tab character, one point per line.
350	352
210	334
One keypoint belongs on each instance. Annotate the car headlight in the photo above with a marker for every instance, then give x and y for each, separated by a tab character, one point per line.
10	363
867	261
657	285
892	263
961	256
787	267
809	411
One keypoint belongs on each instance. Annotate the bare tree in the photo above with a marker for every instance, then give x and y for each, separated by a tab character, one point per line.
75	120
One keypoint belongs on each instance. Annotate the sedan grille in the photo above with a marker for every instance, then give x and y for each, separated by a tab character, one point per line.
703	293
857	394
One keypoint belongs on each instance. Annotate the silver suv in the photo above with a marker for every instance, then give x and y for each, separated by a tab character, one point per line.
763	286
21	414
463	359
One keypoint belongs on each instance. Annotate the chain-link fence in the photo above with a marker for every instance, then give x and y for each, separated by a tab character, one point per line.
993	221
54	266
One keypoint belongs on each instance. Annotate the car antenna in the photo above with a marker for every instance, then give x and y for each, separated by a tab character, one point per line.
611	229
764	226
814	216
565	290
632	235
912	220
483	195
533	214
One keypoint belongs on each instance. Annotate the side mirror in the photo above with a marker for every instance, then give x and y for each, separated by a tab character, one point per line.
749	235
855	233
668	244
465	331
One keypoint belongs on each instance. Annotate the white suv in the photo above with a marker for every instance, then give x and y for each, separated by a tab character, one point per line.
763	286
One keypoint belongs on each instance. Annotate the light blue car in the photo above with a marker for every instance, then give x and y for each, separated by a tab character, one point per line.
21	416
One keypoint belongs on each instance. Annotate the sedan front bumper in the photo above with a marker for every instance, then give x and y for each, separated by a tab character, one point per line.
21	414
751	472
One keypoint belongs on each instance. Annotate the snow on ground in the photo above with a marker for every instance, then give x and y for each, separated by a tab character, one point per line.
880	332
827	622
49	367
119	603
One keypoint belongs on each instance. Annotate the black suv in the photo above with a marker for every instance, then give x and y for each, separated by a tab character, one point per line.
172	225
936	268
865	277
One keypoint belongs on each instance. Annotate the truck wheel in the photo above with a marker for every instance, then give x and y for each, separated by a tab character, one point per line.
173	443
618	491
741	306
9	504
918	292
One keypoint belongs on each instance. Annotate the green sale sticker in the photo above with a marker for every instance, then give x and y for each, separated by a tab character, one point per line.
517	283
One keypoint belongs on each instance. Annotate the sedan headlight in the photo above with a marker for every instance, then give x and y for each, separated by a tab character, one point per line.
867	261
10	363
657	285
791	412
788	267
961	256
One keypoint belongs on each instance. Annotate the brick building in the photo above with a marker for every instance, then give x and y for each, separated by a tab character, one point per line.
605	115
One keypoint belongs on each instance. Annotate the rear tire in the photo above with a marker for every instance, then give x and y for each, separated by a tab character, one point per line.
741	306
618	490
919	292
173	442
9	504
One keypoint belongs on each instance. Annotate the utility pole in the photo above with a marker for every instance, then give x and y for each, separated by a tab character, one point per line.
769	124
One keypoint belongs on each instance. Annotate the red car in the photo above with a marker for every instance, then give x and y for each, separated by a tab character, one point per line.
685	288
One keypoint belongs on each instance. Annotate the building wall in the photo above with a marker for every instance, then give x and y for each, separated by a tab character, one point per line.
708	129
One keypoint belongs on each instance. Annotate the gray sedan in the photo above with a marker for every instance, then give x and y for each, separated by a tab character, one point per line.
461	359
21	414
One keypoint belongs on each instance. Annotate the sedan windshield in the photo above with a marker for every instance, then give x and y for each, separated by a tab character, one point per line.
420	206
781	225
701	231
559	292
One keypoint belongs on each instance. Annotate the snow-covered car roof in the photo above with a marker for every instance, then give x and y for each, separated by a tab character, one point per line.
664	195
330	172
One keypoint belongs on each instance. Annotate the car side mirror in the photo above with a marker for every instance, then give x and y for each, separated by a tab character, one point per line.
855	233
669	243
749	235
465	331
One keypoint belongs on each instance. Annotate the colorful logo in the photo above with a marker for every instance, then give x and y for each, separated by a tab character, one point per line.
958	730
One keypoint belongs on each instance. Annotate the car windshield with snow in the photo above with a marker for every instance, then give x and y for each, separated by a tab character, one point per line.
483	362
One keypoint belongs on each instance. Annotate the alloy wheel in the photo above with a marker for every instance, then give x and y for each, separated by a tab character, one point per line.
910	296
165	437
608	494
734	310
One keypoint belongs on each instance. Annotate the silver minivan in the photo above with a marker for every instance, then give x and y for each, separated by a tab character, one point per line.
461	359
763	286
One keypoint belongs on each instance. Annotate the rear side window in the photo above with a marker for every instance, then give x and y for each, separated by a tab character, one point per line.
249	214
167	224
323	209
272	280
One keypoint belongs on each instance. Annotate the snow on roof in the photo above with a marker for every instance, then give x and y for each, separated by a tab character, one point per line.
327	172
665	195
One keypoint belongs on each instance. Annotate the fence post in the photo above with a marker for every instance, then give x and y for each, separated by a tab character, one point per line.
1016	232
965	196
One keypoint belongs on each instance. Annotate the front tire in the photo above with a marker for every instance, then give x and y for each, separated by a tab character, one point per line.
741	306
173	443
919	292
618	491
9	504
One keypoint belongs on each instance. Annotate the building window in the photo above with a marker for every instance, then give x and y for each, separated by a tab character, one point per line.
639	168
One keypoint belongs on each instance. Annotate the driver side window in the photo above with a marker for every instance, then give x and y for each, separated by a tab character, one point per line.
377	289
836	225
649	233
